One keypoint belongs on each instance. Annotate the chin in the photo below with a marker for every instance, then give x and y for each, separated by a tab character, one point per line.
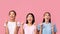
30	21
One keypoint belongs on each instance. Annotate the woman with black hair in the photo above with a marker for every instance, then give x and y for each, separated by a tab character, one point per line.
46	27
29	27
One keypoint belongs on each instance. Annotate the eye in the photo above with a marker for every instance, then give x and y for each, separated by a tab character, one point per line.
13	15
10	15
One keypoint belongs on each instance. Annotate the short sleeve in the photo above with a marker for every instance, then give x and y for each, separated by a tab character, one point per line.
35	27
18	24
38	27
55	29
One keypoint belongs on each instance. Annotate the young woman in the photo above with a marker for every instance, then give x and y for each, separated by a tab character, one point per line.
46	27
12	26
29	27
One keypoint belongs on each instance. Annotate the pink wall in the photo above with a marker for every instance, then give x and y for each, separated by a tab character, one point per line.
22	7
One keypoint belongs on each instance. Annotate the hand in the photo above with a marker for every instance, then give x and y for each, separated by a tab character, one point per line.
41	25
22	23
52	27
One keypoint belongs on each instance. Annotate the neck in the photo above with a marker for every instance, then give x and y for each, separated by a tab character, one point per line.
46	22
12	20
29	24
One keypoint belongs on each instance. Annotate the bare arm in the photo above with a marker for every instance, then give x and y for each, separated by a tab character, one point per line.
35	31
40	31
6	30
22	30
40	28
16	30
53	30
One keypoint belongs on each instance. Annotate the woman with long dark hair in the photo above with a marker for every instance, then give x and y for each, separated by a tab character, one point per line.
46	27
29	27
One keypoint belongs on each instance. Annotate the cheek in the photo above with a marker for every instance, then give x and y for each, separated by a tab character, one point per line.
30	19
12	16
49	17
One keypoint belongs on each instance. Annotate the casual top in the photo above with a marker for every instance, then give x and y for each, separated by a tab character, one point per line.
11	26
47	28
29	29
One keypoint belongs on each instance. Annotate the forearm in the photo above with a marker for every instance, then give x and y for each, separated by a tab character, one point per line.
35	32
22	30
16	30
6	31
40	31
53	32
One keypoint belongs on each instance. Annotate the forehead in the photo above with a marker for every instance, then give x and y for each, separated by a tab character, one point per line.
46	14
11	12
30	15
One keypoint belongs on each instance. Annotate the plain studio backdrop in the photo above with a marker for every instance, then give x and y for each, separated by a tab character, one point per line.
23	7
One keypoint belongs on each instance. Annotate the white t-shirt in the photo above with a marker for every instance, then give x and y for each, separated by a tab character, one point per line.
12	26
29	29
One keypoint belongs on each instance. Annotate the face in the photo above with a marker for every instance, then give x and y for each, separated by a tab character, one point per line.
12	15
30	18
47	17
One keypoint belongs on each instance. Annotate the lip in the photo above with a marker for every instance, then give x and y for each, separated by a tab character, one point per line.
29	19
47	18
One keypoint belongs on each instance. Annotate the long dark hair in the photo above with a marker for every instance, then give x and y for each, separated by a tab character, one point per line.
32	17
44	18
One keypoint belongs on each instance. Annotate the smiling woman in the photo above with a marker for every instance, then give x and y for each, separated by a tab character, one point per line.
23	7
47	27
12	26
29	27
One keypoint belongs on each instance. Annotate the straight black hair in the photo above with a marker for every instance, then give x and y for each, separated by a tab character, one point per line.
32	17
44	18
49	20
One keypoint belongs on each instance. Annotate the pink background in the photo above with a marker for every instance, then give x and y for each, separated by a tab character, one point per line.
37	7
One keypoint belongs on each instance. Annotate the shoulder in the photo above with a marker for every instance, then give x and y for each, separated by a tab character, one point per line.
6	22
25	24
53	24
18	22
